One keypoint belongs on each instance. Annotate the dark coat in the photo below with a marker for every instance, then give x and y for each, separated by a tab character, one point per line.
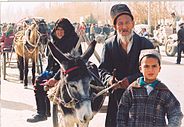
126	65
180	47
138	109
181	36
65	45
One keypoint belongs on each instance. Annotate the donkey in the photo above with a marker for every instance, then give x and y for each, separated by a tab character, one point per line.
76	100
27	45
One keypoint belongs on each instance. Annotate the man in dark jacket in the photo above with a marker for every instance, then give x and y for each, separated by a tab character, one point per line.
121	52
180	42
65	38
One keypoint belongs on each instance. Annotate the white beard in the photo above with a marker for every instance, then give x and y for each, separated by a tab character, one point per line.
127	38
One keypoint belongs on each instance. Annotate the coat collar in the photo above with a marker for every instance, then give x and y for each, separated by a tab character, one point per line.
159	86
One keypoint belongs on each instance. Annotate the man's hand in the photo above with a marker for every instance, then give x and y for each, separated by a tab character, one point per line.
51	82
122	84
112	80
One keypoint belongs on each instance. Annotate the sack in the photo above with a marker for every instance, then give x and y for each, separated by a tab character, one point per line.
52	95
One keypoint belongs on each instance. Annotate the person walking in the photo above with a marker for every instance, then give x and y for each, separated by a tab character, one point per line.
65	39
120	52
180	40
173	22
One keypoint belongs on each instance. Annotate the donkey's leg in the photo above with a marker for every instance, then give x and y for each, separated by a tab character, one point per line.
33	71
26	69
68	121
20	64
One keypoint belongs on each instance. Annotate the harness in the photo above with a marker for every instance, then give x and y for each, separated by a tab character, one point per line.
28	45
73	100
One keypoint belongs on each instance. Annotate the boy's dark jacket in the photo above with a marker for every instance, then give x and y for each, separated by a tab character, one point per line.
138	109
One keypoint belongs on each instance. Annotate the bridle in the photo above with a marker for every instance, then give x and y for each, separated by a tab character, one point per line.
29	45
74	100
40	33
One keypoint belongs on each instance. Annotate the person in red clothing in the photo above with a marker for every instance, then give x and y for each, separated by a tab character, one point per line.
7	38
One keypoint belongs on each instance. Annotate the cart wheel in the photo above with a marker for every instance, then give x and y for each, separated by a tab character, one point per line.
170	48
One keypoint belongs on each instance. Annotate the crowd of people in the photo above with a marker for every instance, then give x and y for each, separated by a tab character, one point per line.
139	98
91	29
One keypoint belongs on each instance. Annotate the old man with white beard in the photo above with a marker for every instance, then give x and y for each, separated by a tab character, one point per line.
121	52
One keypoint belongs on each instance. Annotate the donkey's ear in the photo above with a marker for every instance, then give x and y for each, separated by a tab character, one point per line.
56	53
87	54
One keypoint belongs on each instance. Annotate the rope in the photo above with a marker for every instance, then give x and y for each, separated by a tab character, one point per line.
31	52
105	90
35	46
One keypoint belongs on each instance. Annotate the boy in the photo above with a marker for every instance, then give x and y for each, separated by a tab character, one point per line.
147	101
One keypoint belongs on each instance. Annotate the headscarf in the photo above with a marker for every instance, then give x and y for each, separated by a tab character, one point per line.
70	38
66	25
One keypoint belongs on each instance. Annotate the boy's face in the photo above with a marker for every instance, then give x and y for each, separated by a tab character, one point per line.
150	68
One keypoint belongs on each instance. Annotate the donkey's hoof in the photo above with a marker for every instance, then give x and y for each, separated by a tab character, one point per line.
21	81
25	87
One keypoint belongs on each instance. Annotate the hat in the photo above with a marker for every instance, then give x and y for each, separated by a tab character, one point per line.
146	52
118	10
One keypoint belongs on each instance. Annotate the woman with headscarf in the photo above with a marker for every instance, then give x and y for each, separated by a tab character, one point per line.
64	38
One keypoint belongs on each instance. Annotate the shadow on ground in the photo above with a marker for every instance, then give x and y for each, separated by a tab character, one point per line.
19	106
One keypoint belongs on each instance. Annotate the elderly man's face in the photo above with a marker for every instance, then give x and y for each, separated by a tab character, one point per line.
124	25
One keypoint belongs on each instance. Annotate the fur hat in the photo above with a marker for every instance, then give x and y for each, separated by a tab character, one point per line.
146	52
118	10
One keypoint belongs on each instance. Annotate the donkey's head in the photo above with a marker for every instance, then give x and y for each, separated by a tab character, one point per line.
41	30
75	81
